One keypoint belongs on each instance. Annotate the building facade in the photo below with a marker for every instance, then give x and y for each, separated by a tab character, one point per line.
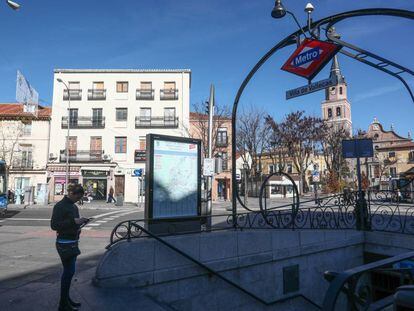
221	147
110	114
393	157
24	146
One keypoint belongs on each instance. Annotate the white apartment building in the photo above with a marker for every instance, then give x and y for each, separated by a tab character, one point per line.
24	146
111	112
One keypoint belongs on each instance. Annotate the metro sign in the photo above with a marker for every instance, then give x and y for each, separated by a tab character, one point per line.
310	57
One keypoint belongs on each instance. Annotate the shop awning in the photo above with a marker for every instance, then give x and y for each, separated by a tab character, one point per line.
96	168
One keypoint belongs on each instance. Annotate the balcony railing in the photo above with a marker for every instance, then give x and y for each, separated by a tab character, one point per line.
156	122
84	156
22	164
222	142
72	94
83	123
145	94
169	94
96	94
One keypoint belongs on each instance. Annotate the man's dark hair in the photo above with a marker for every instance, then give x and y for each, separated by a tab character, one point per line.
76	189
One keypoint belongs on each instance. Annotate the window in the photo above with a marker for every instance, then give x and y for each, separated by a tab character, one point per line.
329	113
72	145
74	85
145	115
26	157
122	87
146	86
169	85
391	154
96	148
27	129
289	169
411	156
222	136
120	144
338	111
271	168
142	143
98	85
340	90
121	114
97	116
225	161
393	171
73	117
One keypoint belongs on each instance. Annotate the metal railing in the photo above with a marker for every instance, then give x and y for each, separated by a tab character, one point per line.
83	156
156	122
145	94
356	289
169	94
72	94
96	94
22	164
83	123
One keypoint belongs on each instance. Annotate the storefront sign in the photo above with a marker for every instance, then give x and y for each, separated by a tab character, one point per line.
94	174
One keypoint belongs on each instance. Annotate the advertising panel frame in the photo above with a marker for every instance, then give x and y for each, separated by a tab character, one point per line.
169	224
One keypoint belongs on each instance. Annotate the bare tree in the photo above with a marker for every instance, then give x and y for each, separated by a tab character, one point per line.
10	134
274	147
299	135
252	136
331	144
199	122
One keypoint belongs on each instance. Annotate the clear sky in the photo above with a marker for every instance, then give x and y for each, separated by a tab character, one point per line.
218	40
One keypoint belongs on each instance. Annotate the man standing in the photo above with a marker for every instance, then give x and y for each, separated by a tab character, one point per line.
67	222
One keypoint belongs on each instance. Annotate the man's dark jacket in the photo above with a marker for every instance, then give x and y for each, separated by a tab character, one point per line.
63	219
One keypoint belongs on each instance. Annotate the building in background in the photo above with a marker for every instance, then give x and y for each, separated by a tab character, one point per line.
24	146
393	157
111	112
221	147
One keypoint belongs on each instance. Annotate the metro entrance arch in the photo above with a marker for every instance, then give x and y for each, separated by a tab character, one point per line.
313	29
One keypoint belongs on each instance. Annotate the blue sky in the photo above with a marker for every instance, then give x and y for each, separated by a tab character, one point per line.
218	40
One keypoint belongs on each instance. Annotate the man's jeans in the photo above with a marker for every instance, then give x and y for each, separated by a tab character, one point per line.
68	272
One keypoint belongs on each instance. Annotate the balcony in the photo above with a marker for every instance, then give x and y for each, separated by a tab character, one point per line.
72	94
222	142
83	123
156	122
145	94
96	94
84	156
22	164
169	94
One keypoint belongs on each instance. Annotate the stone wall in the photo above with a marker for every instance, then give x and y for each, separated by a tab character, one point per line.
254	259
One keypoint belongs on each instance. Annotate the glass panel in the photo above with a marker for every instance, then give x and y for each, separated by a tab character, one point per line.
121	114
98	86
74	85
169	85
146	85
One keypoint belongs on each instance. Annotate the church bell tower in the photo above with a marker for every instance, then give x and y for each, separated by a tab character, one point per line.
336	109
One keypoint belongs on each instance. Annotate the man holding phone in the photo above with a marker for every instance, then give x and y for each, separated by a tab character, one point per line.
67	223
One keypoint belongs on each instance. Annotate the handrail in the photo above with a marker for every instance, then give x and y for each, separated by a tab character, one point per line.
222	277
339	280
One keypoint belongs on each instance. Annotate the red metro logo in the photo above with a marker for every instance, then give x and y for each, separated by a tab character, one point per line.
310	57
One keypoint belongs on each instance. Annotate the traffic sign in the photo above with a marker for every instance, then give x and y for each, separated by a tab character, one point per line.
137	172
310	88
310	57
208	167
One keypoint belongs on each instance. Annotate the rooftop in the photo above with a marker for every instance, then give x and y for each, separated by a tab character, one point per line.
15	110
122	71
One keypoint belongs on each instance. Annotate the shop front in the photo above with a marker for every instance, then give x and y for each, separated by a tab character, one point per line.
95	183
57	181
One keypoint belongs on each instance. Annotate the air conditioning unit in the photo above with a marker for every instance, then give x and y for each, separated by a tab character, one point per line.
52	156
106	157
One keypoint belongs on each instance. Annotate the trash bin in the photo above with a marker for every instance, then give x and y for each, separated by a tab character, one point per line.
119	200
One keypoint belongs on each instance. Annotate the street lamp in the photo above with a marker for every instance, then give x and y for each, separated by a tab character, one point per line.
67	137
15	6
280	11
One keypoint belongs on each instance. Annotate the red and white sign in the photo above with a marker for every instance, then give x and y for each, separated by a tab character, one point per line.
310	57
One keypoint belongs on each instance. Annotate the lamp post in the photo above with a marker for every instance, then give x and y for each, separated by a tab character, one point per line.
67	137
313	28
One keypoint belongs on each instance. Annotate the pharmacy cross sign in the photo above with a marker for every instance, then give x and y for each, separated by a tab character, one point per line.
310	57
